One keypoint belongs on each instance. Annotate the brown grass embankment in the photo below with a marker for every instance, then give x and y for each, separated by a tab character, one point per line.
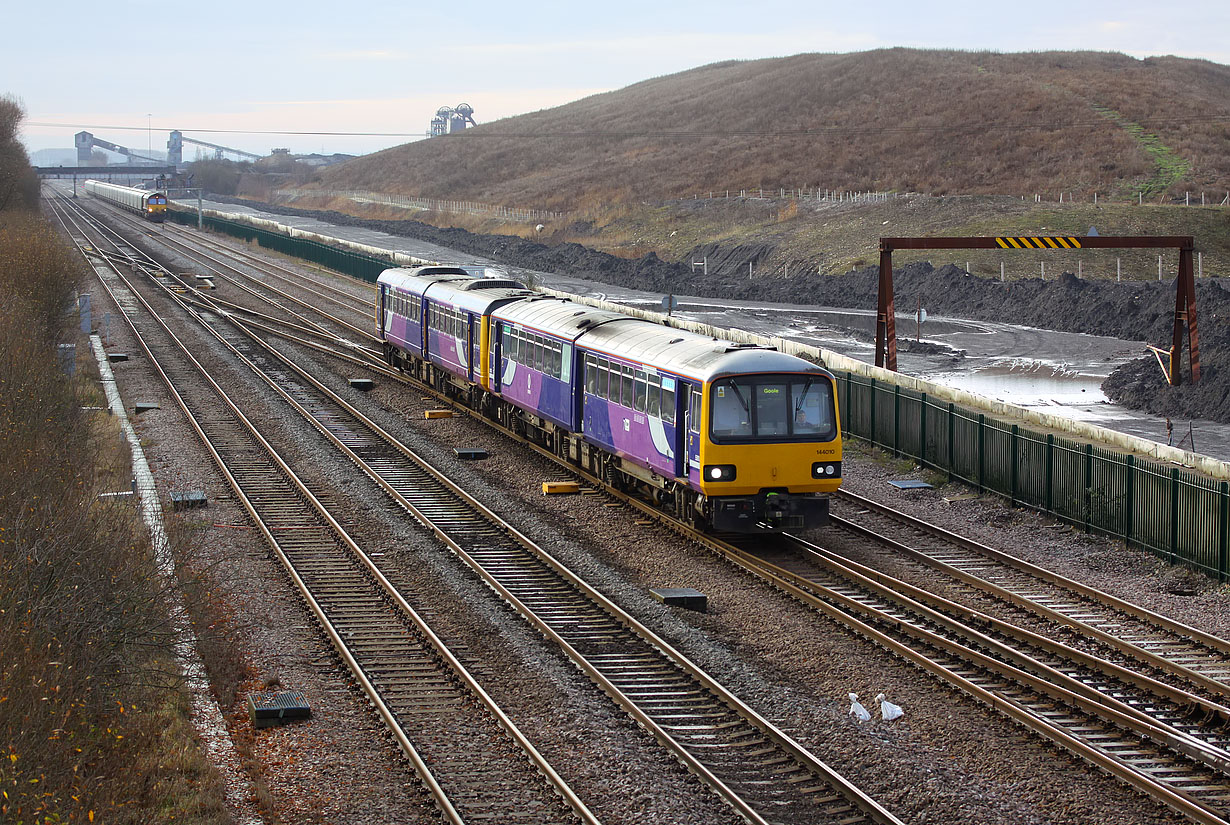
93	725
940	122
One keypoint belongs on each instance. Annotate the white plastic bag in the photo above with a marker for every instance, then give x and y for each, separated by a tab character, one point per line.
888	711
857	711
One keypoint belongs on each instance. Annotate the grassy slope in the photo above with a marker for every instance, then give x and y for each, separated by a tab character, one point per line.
904	120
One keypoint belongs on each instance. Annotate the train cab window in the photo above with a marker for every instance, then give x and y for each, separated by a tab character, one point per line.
640	393
772	408
812	407
694	411
732	416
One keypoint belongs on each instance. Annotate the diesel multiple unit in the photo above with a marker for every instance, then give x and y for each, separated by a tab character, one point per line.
727	436
150	205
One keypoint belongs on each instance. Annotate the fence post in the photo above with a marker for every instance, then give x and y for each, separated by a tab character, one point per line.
849	380
897	419
1050	472
982	419
951	429
1129	514
873	411
1174	514
1088	485
1222	560
1013	459
922	430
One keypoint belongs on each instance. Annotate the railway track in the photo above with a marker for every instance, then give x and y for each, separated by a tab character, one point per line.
1162	739
1155	641
1158	739
471	758
757	769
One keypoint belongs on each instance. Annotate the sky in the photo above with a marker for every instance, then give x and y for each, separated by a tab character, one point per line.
129	71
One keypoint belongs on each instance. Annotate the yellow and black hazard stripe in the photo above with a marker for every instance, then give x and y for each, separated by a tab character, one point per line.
1046	242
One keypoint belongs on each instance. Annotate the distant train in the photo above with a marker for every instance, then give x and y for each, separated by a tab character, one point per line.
150	205
726	436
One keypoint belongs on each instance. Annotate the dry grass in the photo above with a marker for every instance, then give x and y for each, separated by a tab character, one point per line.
92	724
930	121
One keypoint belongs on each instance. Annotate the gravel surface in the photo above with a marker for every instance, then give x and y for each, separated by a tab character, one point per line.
948	760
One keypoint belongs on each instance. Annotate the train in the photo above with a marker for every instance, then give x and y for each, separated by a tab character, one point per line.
148	204
723	436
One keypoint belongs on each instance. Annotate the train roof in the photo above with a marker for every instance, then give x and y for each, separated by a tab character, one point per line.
418	279
557	317
632	339
687	353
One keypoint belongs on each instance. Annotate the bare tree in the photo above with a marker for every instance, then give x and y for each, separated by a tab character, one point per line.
18	183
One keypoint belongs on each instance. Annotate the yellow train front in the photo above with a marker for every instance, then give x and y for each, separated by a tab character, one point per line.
767	452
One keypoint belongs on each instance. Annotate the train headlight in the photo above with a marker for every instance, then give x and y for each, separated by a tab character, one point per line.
826	469
719	472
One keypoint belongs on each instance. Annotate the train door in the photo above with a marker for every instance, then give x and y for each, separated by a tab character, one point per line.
381	325
693	424
494	346
476	348
424	318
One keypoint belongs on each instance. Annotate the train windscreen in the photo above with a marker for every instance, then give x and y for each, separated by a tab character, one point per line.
760	408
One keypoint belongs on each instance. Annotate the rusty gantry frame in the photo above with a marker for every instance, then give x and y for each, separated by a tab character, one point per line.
1185	294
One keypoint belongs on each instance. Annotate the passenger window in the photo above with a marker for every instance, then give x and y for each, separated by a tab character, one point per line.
604	378
626	387
668	406
655	397
641	393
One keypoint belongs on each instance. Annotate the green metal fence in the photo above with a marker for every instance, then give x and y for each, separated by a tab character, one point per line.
1179	515
357	265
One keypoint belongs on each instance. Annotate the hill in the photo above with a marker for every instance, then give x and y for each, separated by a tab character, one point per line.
891	120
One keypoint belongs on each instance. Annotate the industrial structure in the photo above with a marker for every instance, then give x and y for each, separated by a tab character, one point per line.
175	149
452	119
86	143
